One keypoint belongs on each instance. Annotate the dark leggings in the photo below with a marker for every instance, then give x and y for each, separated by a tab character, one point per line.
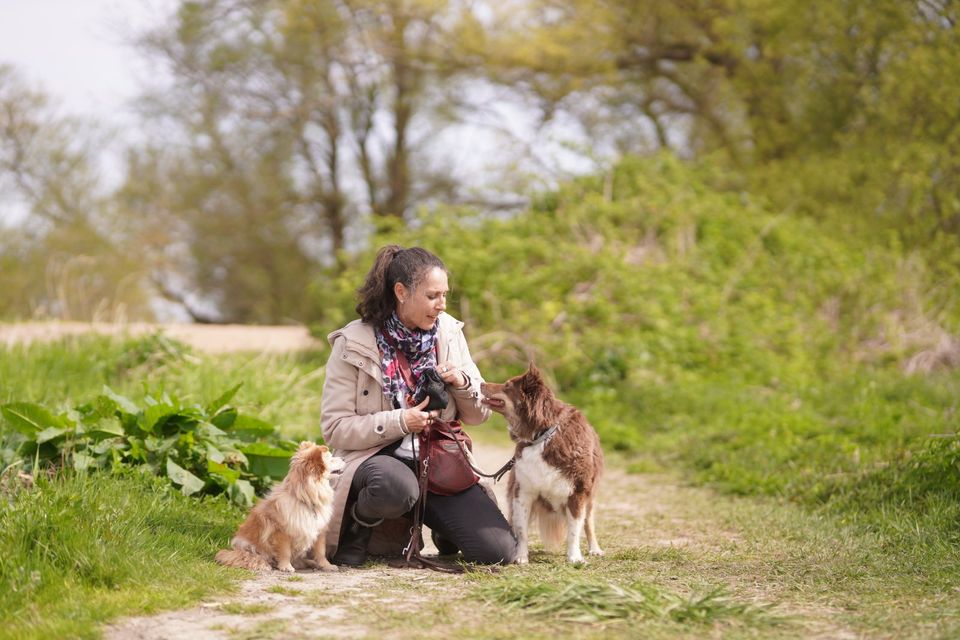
386	487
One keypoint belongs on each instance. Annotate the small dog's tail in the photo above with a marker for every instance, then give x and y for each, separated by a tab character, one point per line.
242	559
552	526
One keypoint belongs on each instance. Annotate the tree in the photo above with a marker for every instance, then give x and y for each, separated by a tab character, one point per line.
59	259
838	99
285	127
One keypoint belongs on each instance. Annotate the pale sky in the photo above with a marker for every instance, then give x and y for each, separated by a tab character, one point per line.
74	50
78	53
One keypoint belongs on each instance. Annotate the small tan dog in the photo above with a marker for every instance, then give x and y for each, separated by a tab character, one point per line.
291	521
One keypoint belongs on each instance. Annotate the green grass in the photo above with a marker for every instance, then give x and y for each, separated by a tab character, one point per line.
78	550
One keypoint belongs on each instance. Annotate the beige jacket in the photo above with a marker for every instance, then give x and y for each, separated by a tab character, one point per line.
357	419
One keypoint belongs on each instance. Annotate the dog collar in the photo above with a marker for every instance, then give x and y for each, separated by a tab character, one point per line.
545	436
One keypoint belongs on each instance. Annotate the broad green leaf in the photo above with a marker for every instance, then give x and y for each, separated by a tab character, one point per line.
207	430
222	470
267	460
50	433
29	418
241	493
189	483
222	401
225	418
82	462
124	403
214	454
105	406
154	414
159	445
106	428
249	428
117	444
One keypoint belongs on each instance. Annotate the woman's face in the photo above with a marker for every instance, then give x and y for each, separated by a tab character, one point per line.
418	309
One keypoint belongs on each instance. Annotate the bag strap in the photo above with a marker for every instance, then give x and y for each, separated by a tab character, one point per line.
411	552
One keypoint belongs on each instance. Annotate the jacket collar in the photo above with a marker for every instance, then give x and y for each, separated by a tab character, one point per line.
360	336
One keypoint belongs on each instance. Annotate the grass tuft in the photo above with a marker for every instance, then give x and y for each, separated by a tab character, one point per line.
592	602
239	608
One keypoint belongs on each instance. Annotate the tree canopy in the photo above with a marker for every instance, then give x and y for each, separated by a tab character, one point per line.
281	136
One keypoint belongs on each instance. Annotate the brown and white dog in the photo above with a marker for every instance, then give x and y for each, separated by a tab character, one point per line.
558	464
291	522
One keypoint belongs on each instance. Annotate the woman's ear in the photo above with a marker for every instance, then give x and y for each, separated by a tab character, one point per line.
400	291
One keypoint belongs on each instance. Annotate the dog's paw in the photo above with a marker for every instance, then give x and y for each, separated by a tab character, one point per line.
596	552
576	558
329	568
287	568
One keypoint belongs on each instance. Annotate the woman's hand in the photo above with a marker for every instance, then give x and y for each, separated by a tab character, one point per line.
415	419
452	375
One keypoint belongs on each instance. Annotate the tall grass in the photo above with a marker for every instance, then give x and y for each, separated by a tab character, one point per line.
78	549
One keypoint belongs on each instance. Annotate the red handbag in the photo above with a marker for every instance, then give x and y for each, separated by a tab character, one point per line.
442	449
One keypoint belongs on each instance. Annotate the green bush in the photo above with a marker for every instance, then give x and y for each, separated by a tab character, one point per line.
764	351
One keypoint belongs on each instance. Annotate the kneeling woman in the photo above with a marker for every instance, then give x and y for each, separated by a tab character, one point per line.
367	421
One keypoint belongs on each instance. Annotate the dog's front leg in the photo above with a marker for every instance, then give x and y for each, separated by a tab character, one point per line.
521	507
282	545
320	554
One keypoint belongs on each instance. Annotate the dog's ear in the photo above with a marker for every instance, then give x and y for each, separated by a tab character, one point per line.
532	380
531	384
306	444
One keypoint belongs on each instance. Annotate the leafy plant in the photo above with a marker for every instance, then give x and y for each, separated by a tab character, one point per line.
209	449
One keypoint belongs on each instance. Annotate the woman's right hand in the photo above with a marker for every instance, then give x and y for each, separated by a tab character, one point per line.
416	419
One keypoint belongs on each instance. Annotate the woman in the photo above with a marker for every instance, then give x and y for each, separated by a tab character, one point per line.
368	422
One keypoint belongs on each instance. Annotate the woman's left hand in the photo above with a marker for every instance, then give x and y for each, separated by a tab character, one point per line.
452	375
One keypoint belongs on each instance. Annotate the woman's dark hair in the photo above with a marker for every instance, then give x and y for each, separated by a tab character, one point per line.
393	264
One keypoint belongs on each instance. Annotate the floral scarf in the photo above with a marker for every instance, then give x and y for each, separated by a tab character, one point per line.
418	345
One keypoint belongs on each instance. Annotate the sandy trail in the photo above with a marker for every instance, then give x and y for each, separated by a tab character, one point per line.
209	338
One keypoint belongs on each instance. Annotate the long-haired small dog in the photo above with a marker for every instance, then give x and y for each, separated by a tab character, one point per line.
557	465
287	528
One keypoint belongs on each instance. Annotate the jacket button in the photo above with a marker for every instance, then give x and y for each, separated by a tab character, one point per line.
359	363
378	428
366	392
344	356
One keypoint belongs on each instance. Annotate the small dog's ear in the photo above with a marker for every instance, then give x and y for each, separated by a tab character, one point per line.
306	444
532	380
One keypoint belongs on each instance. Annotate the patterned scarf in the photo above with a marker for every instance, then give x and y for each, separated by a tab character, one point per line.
416	344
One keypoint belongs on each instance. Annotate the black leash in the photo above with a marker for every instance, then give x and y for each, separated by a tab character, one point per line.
499	473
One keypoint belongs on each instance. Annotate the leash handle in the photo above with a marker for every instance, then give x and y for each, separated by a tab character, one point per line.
496	475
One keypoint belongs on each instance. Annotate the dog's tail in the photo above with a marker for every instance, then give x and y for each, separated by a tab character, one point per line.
242	559
552	526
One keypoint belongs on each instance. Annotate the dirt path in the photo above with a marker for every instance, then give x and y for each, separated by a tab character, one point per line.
682	536
220	338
